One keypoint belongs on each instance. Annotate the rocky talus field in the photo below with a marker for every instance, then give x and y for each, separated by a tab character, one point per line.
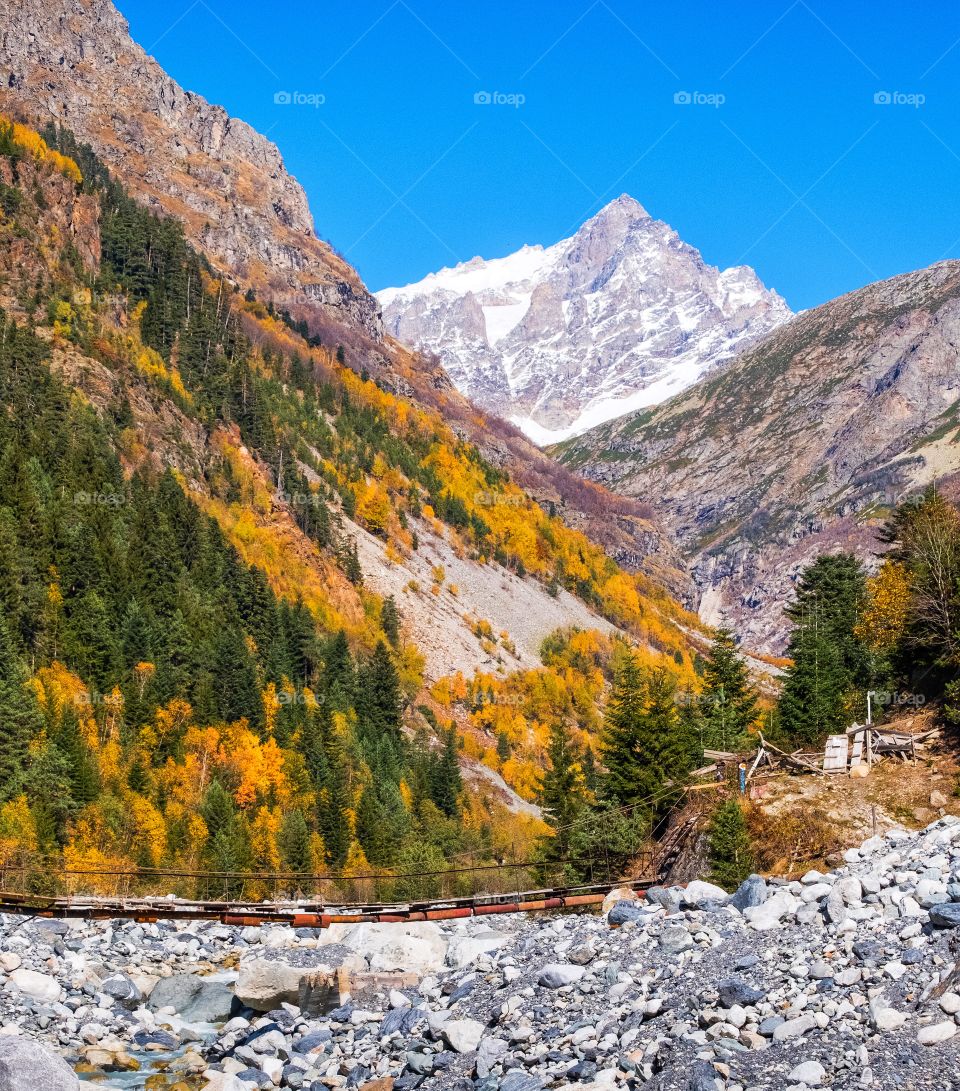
840	980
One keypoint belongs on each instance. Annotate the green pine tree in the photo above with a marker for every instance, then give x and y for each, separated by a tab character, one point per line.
390	621
237	692
562	788
831	666
90	643
814	698
338	680
728	703
643	744
293	841
380	698
624	742
833	590
731	854
48	784
20	719
332	817
447	783
350	562
217	810
84	782
371	827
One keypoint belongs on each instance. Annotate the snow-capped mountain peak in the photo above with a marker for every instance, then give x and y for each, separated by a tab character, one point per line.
621	315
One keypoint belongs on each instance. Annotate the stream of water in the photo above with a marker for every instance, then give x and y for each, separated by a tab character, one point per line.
152	1075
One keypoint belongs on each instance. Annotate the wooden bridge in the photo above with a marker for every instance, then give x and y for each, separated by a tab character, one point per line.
22	890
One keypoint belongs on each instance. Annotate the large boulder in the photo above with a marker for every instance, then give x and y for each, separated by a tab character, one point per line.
945	915
751	892
558	974
462	1035
273	978
193	998
27	1066
624	912
618	894
734	991
699	893
416	946
466	948
40	987
772	911
223	1081
674	939
668	898
122	990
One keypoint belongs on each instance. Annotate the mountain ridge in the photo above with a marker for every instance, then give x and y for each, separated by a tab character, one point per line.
560	338
802	444
75	62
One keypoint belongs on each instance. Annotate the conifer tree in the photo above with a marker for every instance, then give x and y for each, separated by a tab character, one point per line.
20	719
228	846
332	817
90	641
447	783
643	743
591	775
830	662
562	788
47	784
136	639
137	778
731	854
337	678
217	810
381	703
293	841
235	678
624	743
728	703
229	853
350	561
390	621
313	734
813	701
303	650
371	828
84	785
11	573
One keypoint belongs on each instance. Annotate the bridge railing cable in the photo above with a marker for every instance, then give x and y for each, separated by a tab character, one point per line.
24	874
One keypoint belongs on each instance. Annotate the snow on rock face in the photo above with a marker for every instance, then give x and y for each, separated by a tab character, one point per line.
620	316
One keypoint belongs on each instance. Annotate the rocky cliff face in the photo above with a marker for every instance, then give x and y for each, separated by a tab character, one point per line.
621	315
799	446
74	61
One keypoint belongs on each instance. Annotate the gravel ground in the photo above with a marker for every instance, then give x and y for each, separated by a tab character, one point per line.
834	981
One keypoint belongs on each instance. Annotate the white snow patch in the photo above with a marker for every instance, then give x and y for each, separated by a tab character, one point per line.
501	318
478	275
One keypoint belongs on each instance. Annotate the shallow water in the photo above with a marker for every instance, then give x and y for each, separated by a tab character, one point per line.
153	1064
152	1067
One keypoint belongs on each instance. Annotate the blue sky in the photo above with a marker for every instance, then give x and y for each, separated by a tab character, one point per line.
783	160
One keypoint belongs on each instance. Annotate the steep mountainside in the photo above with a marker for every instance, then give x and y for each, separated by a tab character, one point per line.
240	570
74	61
802	444
619	316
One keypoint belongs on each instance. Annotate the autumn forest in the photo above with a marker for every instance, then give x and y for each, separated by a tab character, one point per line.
195	675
